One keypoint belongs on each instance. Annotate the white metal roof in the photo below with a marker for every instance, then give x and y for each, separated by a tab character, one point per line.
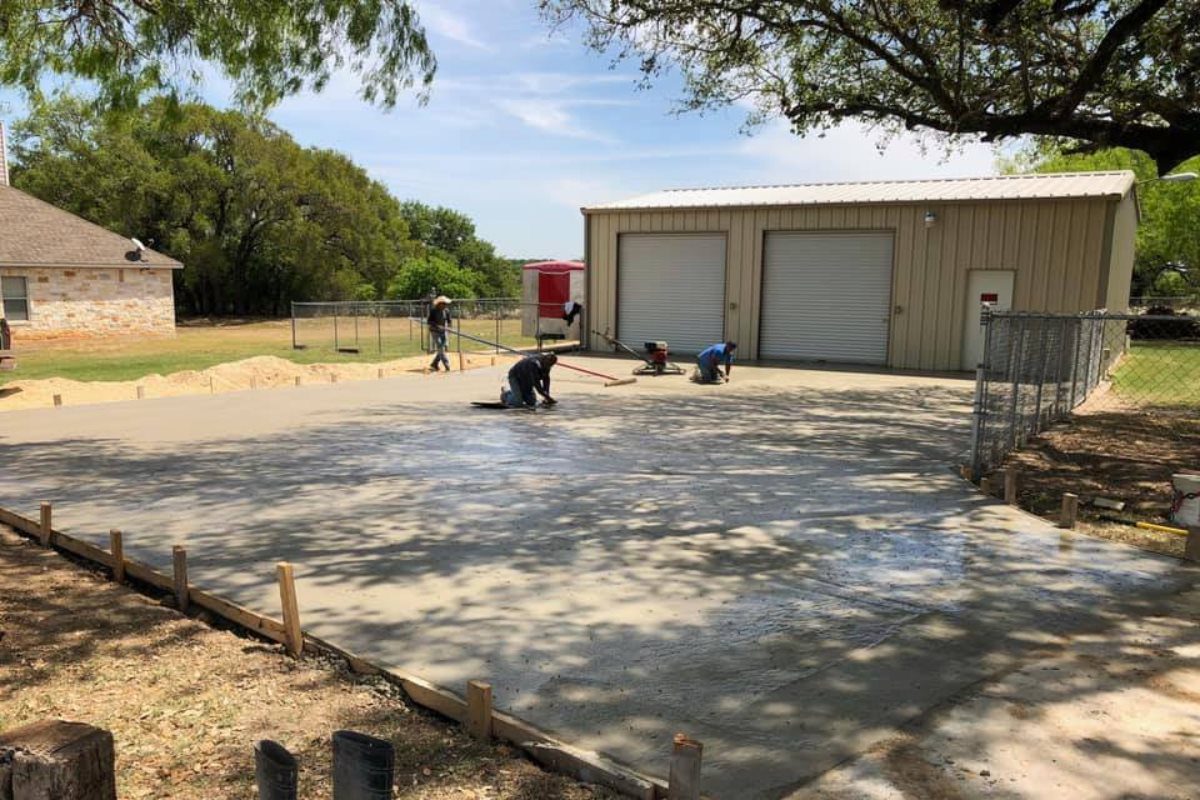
995	187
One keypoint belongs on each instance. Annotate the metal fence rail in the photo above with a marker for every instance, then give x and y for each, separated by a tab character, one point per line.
1039	368
393	327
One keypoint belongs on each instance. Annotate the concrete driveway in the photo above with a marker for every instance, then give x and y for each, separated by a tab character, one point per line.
785	567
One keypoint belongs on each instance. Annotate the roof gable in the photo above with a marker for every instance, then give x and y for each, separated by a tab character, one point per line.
34	233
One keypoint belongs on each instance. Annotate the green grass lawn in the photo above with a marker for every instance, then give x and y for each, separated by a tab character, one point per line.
200	346
1160	373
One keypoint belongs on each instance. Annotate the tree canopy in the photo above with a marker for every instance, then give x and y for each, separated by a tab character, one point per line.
268	48
257	220
1100	73
1168	237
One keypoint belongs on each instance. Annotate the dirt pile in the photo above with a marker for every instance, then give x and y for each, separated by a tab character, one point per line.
260	372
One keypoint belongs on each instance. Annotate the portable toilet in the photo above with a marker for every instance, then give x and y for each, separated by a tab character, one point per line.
546	288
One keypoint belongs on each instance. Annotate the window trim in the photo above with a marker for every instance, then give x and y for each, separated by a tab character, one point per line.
4	300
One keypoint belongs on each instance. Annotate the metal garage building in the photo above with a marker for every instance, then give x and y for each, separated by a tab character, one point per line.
883	273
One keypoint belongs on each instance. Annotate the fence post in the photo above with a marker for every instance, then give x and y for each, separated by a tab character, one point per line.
179	560
337	345
479	709
293	324
1010	485
1043	346
46	528
980	410
291	608
116	546
1078	325
497	329
1059	351
1019	359
683	779
379	329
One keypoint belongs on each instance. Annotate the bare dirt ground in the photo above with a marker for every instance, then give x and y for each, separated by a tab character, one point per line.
1127	456
259	372
186	702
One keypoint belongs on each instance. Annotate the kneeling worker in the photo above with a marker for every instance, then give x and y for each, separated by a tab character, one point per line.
710	362
530	374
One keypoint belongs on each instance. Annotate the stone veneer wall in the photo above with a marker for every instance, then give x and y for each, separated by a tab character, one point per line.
95	302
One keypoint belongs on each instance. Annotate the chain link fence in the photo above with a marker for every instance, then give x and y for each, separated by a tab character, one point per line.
394	328
1040	368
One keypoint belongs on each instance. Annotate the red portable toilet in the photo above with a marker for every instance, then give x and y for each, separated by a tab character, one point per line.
546	288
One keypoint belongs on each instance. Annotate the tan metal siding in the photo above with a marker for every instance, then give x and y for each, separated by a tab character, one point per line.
1055	248
1120	266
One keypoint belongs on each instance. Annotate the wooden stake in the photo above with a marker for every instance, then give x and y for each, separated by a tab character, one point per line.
141	392
1191	545
1070	509
460	362
1010	486
291	609
333	378
683	781
297	380
479	709
212	389
381	373
179	557
253	381
46	530
58	401
985	485
116	546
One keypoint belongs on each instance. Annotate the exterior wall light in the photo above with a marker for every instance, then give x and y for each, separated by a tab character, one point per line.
930	218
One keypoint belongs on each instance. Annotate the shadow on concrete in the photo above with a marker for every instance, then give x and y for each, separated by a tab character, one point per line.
787	576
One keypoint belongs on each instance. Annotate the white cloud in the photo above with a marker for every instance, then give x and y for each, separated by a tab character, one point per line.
852	152
454	27
550	116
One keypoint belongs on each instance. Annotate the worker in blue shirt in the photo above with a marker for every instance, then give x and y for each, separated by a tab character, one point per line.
710	362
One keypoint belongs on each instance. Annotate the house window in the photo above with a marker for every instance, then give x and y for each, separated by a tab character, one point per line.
15	294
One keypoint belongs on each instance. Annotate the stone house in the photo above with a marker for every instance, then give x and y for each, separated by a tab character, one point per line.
62	276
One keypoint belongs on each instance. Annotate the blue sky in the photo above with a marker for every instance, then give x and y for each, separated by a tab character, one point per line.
524	126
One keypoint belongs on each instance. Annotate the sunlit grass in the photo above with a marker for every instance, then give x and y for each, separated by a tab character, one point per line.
1160	373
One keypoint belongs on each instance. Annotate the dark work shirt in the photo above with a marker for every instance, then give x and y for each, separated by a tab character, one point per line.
439	318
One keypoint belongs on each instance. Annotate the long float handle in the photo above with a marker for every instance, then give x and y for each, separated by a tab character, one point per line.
561	363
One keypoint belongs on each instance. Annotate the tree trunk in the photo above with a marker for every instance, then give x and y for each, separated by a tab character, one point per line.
57	760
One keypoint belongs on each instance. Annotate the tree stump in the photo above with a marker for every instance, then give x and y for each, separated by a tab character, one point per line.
57	760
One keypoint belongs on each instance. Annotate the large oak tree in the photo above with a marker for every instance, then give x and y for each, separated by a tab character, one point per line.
268	48
1098	72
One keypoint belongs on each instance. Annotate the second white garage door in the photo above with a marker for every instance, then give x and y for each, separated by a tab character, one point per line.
671	287
827	297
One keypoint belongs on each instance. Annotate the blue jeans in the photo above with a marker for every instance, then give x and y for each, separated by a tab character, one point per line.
438	341
516	395
708	370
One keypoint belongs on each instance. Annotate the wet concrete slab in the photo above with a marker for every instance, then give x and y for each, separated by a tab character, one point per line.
785	567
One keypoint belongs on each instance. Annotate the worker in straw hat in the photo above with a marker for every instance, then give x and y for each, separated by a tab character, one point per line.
439	322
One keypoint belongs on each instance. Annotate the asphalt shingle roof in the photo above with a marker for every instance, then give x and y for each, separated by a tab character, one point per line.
36	234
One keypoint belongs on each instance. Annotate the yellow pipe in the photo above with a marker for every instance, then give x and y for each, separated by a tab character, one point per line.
1150	526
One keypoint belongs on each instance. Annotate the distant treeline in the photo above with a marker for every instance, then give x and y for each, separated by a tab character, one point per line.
257	220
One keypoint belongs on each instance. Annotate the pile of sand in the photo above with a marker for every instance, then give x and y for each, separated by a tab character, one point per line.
260	372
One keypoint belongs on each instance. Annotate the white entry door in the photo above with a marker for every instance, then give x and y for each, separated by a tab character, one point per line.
826	296
671	287
992	287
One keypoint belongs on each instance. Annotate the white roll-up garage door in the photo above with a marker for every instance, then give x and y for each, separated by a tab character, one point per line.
671	287
826	297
